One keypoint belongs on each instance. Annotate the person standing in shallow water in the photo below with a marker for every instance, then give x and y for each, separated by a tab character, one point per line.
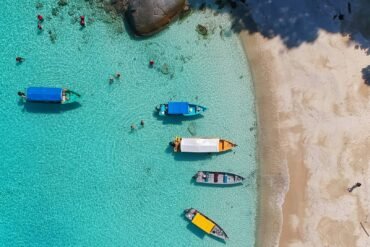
142	123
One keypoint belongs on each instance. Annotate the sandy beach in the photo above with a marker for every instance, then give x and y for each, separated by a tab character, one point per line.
314	123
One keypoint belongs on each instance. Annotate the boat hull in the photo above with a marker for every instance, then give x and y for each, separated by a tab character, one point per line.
201	145
193	110
215	230
49	95
217	178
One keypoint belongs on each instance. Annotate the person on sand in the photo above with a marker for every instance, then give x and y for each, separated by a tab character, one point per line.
354	187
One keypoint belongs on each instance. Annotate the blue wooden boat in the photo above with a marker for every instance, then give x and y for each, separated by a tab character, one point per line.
49	95
180	108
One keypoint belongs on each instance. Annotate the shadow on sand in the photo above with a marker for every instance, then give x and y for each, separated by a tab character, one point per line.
366	75
296	21
49	108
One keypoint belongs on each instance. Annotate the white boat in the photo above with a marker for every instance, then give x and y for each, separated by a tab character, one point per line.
201	145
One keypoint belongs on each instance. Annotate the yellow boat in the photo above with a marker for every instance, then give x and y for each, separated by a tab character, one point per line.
201	145
205	223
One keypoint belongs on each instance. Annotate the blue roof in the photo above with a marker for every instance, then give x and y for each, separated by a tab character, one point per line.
178	107
46	94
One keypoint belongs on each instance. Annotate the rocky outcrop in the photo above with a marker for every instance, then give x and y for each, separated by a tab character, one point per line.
149	16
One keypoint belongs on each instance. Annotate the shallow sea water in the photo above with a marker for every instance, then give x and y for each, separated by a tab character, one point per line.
75	175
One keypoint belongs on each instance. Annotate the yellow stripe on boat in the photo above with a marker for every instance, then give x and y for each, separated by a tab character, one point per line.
203	223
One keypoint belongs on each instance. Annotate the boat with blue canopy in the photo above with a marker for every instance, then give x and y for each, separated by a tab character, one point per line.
49	95
180	108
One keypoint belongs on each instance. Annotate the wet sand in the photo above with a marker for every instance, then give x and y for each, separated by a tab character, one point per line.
314	136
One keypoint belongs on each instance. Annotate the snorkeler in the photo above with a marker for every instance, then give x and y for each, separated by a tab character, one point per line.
40	18
19	59
82	21
21	94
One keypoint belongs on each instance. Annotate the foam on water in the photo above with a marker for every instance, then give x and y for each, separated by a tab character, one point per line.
76	175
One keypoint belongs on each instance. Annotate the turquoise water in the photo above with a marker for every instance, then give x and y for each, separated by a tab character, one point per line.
76	175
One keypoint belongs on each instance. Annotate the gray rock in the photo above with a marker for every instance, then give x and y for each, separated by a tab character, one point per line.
202	30
150	16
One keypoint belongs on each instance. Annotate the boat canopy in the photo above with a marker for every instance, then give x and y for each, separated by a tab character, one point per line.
44	94
199	145
178	107
203	223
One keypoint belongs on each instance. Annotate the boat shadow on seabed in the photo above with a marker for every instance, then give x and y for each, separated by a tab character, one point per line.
191	156
192	181
176	120
48	108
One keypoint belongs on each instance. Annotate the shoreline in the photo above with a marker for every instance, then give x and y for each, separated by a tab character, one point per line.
312	115
272	184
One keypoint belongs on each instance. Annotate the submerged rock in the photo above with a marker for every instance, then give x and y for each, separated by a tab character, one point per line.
185	13
52	36
55	11
62	2
39	5
150	16
165	69
202	30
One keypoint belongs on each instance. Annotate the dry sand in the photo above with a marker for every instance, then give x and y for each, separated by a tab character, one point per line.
314	140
